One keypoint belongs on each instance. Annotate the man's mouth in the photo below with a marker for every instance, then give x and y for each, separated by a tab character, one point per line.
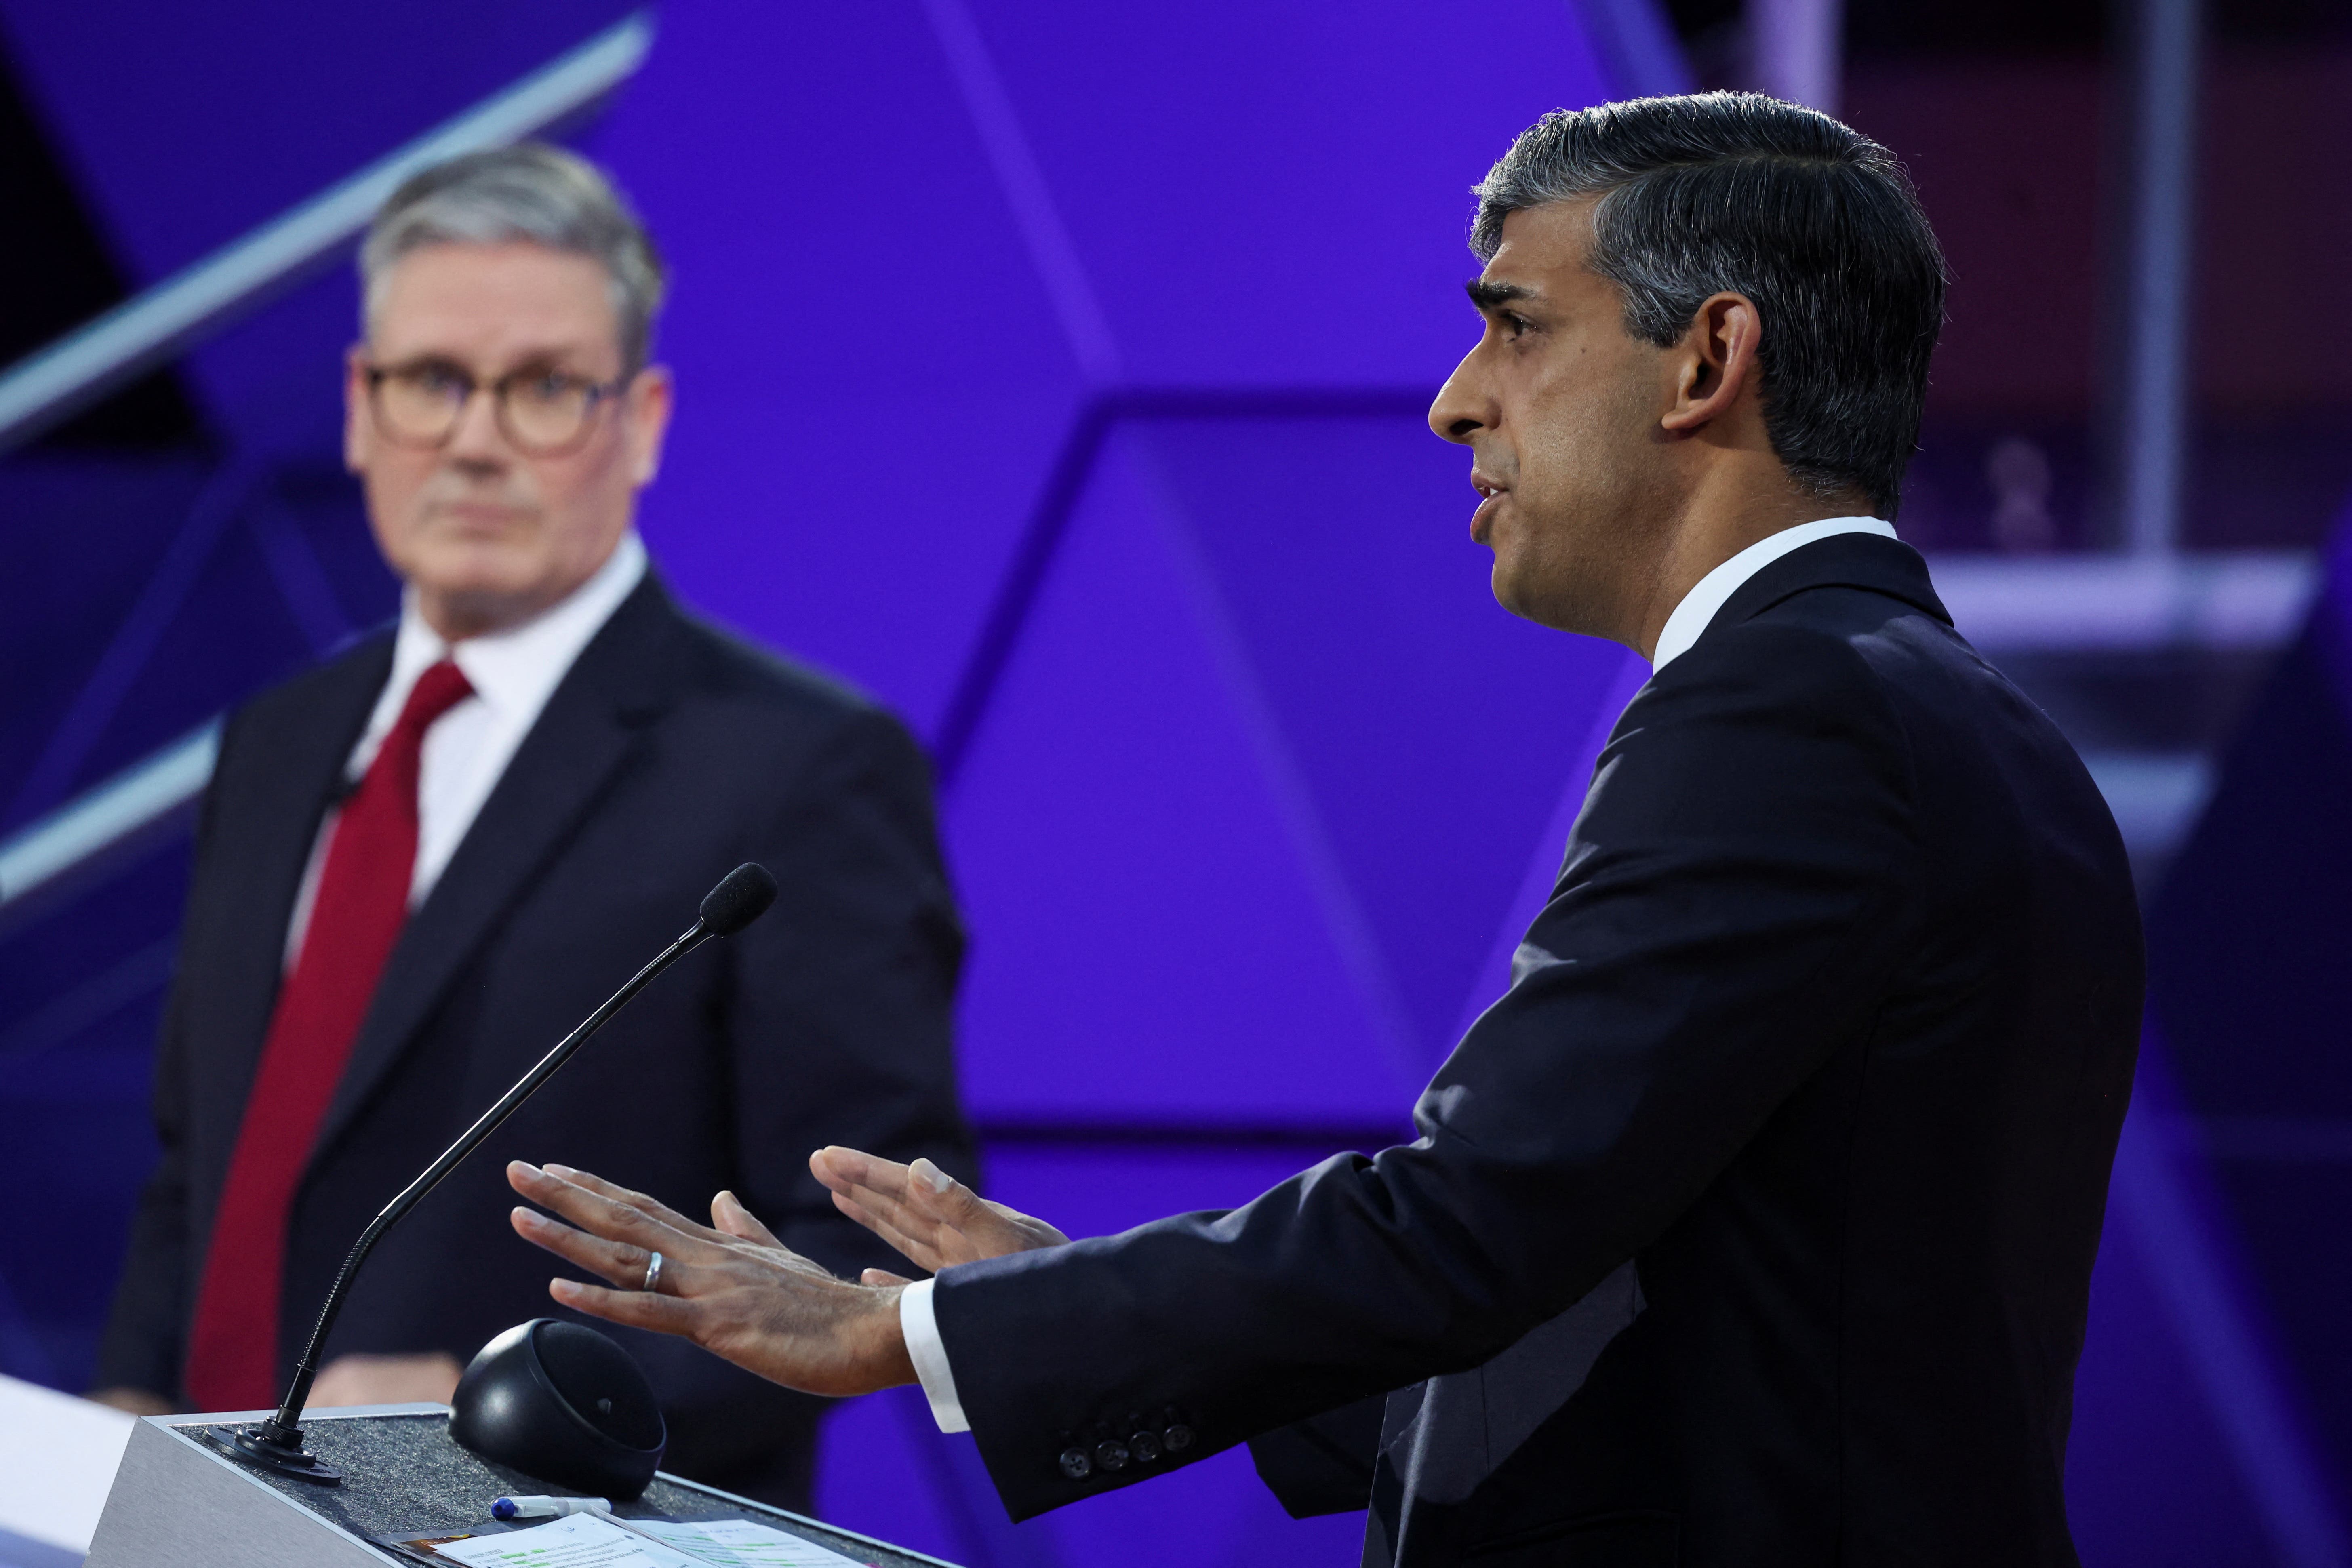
476	516
1490	494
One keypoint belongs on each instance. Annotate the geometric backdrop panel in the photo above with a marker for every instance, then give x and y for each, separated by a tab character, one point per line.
1162	932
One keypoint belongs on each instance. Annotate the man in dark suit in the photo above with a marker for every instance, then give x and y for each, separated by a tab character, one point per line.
419	865
1755	1223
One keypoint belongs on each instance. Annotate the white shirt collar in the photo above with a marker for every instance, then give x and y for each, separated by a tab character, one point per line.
1699	606
514	671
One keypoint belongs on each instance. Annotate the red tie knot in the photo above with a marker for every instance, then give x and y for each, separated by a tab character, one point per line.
437	690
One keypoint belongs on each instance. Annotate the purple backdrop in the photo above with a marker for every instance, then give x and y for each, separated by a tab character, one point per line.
1056	371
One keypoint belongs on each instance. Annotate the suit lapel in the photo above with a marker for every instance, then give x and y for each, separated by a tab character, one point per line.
591	729
302	747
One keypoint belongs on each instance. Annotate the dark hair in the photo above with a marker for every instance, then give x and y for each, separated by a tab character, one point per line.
1814	222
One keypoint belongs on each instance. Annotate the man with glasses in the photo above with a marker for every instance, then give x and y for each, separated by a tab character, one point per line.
421	864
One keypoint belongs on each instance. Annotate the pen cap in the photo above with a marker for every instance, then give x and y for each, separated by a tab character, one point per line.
564	1402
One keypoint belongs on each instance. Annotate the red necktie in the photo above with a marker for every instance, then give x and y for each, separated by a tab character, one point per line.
356	916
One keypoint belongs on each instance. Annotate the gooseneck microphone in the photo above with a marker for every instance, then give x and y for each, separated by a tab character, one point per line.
740	898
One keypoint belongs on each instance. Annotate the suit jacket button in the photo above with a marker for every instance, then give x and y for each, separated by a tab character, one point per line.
1076	1465
1110	1455
1177	1438
1144	1445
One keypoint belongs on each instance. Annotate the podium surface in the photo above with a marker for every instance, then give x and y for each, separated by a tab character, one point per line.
181	1500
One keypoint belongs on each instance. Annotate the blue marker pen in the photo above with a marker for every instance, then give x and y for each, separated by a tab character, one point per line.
547	1507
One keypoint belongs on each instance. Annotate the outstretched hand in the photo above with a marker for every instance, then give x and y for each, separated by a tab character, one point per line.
735	1290
931	1217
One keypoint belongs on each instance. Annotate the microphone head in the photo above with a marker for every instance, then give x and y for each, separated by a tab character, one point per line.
742	897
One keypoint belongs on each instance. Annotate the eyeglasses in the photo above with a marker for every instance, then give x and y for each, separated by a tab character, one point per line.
544	413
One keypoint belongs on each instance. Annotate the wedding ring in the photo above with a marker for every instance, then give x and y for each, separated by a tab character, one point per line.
653	1273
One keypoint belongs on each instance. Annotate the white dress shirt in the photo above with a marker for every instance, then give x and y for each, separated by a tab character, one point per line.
919	1324
513	673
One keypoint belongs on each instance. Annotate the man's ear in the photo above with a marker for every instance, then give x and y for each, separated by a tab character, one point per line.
649	397
1715	362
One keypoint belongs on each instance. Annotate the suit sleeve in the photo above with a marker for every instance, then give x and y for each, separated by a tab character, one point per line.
143	1344
842	1008
1728	904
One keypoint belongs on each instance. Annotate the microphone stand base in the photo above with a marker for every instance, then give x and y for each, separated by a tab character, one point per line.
259	1446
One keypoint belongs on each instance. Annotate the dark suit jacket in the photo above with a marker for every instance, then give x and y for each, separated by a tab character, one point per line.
669	753
1827	1030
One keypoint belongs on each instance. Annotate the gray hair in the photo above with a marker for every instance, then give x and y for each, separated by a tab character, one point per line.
1814	222
532	191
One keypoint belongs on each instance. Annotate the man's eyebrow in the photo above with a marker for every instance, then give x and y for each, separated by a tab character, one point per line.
1494	296
548	357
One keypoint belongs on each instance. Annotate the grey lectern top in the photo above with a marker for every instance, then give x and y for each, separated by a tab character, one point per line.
179	1500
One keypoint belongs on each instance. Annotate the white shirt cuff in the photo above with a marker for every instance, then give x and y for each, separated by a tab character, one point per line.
931	1356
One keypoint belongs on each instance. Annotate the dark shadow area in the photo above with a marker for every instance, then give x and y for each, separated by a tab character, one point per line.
56	274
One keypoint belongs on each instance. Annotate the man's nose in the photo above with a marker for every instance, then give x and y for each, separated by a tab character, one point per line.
1462	409
475	439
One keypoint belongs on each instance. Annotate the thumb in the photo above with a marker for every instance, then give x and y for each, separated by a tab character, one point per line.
938	1188
946	1201
727	1214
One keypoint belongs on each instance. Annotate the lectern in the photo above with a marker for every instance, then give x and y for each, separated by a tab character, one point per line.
181	1499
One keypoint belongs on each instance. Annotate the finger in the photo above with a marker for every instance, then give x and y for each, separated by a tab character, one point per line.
861	1202
884	1185
926	1177
640	1202
945	1221
599	1185
929	1237
652	1227
948	1218
635	1309
882	1277
873	1210
910	1201
941	1198
623	1263
922	1211
922	1253
841	1169
728	1212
